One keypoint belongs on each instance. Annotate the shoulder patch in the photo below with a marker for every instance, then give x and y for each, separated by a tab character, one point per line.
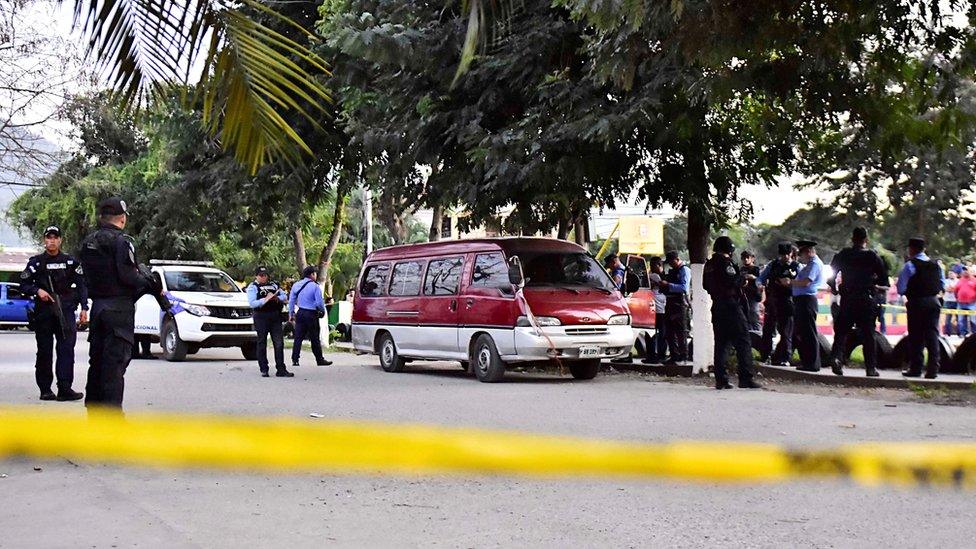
730	269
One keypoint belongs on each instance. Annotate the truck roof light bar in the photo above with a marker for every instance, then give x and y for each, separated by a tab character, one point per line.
181	262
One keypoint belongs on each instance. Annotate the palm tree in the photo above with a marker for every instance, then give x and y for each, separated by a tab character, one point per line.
249	73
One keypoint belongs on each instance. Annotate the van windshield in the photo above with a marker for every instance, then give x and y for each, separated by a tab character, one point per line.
564	269
194	281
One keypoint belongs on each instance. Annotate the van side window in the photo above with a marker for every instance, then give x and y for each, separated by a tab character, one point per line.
14	293
405	279
443	276
491	271
374	281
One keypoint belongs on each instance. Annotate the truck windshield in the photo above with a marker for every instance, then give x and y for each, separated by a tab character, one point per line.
194	281
565	269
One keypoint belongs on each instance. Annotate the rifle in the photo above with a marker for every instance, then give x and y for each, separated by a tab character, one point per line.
58	312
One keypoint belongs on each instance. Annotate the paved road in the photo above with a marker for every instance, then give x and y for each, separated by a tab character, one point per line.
74	505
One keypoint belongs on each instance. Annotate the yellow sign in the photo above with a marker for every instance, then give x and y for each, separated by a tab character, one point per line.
641	235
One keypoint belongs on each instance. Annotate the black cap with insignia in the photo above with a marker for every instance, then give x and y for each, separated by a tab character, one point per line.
52	231
112	205
261	270
671	255
805	244
917	242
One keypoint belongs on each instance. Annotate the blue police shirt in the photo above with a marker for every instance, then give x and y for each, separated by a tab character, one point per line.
812	271
682	282
305	294
908	271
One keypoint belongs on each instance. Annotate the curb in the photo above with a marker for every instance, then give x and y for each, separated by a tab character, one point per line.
828	378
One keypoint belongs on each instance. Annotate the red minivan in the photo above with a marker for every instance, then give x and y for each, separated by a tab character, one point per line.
489	303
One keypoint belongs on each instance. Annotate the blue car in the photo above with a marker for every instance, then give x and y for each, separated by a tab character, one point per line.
13	305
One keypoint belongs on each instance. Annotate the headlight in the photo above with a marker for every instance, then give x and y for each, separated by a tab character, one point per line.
619	320
197	310
523	321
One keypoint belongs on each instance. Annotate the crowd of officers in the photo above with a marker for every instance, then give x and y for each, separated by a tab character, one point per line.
107	272
790	284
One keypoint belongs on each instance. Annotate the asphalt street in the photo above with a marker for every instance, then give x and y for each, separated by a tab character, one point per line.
74	504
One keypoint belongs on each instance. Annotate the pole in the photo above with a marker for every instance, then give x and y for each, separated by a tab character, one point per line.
606	243
368	218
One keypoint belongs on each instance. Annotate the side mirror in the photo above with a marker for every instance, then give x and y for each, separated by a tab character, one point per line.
515	276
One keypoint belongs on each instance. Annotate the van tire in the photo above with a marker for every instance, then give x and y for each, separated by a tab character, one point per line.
389	357
249	350
485	361
174	348
585	369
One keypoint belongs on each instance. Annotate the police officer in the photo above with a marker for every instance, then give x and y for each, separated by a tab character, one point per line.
723	280
267	298
921	281
753	292
55	281
862	272
675	287
777	278
805	286
115	282
657	348
305	308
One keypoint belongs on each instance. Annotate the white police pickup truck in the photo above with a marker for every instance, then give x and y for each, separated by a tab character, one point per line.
209	310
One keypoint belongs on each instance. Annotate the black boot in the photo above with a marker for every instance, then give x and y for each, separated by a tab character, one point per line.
68	395
749	384
911	373
323	362
48	395
836	367
871	371
284	373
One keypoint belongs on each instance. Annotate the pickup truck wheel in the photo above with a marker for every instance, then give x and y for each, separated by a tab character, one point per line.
585	369
389	357
174	348
488	366
250	351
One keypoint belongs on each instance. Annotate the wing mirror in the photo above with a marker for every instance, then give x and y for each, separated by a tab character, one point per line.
515	275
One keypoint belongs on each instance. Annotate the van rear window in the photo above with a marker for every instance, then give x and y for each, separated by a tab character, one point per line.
443	276
405	279
374	281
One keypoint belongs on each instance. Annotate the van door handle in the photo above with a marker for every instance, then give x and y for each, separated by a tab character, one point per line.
453	306
468	303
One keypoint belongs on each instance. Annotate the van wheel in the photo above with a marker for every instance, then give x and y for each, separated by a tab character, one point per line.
250	351
488	366
585	369
174	348
389	357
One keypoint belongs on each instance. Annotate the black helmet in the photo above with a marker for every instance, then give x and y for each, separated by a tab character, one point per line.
723	245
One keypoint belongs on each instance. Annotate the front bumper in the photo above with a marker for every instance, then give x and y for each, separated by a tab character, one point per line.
217	332
566	342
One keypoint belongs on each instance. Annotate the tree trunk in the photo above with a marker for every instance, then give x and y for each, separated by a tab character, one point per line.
298	240
325	258
562	232
698	231
436	224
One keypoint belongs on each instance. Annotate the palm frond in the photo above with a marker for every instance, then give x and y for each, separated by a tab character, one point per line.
252	74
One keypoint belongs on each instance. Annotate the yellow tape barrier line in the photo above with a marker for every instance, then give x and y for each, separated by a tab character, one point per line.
288	445
960	312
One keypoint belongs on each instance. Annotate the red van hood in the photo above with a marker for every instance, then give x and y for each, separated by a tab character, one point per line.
586	307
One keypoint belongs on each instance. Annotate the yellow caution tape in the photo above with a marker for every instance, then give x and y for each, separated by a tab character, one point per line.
288	445
959	312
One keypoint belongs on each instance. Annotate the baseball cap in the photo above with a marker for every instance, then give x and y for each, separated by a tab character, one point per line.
261	270
113	205
53	230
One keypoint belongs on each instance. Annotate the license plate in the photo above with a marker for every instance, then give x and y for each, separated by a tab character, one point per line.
589	351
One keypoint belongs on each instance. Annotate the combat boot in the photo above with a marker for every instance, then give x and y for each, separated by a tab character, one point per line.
67	395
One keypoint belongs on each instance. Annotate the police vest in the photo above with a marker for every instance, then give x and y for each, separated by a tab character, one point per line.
264	290
721	279
61	269
101	269
777	271
672	278
927	280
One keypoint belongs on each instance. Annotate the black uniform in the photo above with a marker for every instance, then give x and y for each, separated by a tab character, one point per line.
267	321
923	307
59	275
723	280
861	270
779	312
676	313
114	283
